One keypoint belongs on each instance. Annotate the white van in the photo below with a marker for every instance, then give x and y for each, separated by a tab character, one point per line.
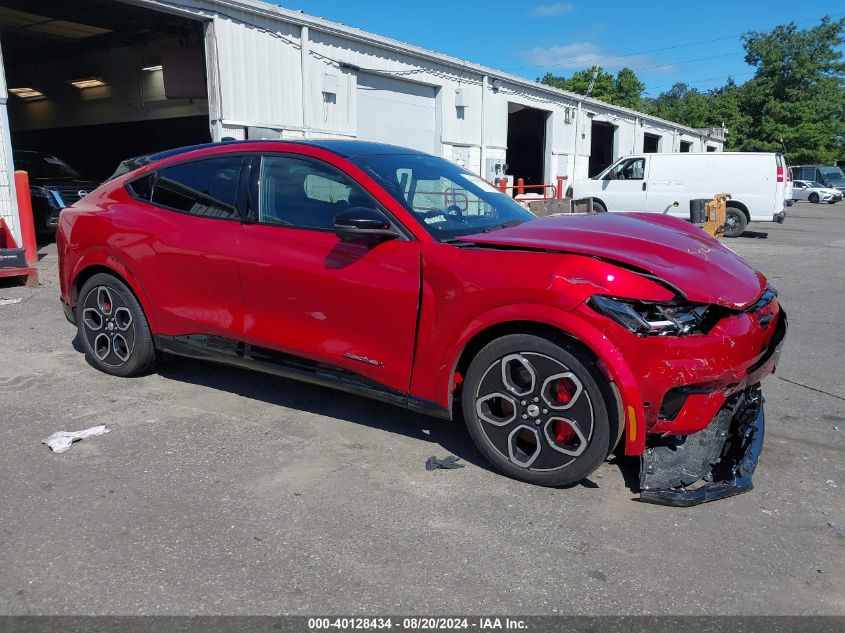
759	184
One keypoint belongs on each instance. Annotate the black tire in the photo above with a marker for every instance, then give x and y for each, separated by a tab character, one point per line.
814	198
122	345
506	425
598	207
735	222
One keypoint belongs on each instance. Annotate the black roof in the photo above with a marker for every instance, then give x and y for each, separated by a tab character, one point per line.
341	147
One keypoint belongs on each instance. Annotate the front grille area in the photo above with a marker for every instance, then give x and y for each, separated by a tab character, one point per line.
69	195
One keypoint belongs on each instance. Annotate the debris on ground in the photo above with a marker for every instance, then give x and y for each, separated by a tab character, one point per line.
838	528
60	441
5	302
830	483
447	463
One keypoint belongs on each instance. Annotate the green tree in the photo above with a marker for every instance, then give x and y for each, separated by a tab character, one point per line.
796	98
624	89
629	89
683	105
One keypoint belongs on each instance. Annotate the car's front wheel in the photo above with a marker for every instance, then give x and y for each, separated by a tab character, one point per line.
536	411
814	198
113	328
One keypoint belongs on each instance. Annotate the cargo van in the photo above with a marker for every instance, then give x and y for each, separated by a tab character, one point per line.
759	184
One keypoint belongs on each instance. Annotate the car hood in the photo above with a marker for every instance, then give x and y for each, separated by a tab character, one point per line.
702	268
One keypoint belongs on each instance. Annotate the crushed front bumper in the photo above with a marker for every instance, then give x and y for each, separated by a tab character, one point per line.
715	463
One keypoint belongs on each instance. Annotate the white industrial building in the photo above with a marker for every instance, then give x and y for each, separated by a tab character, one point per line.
96	81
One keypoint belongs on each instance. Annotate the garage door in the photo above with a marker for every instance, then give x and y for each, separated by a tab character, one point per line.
397	112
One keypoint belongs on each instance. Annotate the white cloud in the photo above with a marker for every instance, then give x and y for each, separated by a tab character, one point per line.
582	55
552	9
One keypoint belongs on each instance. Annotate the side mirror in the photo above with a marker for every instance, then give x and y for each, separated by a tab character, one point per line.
361	223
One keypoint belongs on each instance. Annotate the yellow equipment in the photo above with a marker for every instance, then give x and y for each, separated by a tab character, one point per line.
715	214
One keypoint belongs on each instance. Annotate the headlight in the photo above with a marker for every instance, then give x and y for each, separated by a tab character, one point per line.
658	319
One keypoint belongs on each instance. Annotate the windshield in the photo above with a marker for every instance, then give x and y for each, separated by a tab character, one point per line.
832	174
447	200
44	165
815	184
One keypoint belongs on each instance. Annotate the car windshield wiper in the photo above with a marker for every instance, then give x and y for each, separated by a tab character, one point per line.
503	225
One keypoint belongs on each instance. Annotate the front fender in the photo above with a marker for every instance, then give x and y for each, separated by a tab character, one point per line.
610	359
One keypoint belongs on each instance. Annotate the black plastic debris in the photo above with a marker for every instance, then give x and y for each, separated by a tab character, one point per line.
447	463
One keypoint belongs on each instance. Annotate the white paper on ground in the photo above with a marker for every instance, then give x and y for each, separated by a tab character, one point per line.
5	302
60	441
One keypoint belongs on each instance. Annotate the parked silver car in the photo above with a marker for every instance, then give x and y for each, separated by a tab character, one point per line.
813	191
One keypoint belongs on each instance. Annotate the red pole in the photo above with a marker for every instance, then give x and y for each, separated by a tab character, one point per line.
561	182
520	186
25	215
503	184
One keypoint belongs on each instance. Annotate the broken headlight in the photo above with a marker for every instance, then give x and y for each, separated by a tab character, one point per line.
658	319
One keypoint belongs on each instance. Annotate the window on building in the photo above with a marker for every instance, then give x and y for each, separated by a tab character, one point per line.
711	148
686	146
205	187
305	194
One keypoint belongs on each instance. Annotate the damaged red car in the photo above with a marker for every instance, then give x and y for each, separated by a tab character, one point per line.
400	276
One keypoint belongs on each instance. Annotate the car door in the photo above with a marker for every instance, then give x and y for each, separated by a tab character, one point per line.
624	186
185	246
348	304
799	190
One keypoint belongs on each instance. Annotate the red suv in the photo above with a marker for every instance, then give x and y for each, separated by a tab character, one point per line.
382	271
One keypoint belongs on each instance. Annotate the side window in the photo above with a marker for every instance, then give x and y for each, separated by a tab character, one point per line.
633	169
204	187
142	187
304	193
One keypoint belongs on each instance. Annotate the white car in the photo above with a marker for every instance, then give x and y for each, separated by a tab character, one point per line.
813	191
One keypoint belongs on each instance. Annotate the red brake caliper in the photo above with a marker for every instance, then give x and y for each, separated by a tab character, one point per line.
564	433
563	391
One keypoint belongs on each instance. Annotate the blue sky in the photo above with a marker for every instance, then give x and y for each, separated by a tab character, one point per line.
530	38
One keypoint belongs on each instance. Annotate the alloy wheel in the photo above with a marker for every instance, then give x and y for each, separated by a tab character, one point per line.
108	325
534	411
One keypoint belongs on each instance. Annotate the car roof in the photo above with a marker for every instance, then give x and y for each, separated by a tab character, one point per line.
342	147
346	148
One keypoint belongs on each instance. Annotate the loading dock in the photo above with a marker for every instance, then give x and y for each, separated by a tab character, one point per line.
526	151
397	111
602	146
651	143
95	82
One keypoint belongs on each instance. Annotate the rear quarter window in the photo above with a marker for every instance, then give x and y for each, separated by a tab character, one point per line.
206	188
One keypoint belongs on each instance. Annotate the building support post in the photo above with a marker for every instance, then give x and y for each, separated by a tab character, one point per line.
304	54
485	80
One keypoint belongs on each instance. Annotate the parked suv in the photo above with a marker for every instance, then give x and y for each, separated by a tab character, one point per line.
400	276
53	185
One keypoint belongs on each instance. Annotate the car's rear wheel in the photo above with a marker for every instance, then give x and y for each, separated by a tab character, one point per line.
735	222
535	410
113	328
813	197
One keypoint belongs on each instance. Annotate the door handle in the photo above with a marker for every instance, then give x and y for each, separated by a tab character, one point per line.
643	186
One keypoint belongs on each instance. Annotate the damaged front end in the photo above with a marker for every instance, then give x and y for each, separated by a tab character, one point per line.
714	463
